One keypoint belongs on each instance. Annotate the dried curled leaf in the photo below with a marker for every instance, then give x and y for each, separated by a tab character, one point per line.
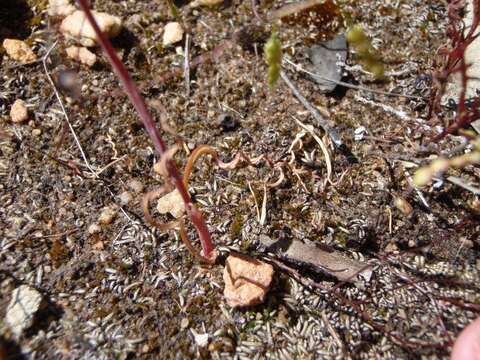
273	57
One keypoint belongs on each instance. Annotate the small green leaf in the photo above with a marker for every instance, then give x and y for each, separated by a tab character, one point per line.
357	38
173	8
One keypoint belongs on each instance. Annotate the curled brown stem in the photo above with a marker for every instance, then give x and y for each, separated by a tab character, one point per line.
199	151
150	196
240	156
280	178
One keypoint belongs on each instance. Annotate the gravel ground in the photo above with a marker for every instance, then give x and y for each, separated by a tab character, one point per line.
124	290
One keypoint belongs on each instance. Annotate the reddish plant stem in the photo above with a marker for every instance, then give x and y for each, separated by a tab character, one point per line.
147	121
455	63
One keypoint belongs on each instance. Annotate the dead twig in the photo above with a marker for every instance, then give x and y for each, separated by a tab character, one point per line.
186	65
64	111
333	332
463	184
406	343
348	85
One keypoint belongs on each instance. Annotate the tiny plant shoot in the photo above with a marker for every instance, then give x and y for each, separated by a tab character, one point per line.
357	38
273	57
173	8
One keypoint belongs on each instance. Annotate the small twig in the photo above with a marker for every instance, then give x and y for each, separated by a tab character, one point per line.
411	344
98	172
186	65
460	182
434	302
348	85
333	332
64	111
315	113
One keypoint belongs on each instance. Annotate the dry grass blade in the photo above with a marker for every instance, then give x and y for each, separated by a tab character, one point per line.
323	123
323	147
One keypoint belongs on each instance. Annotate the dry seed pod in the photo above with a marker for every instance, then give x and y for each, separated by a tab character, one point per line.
403	205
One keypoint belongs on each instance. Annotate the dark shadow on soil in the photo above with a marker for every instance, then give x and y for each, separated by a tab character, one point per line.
44	317
10	350
180	3
15	19
349	155
125	40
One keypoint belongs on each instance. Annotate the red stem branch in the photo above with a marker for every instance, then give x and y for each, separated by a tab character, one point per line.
147	121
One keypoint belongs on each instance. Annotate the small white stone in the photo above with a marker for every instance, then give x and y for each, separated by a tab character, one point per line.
78	27
81	54
136	185
125	198
94	229
173	33
60	8
18	111
19	50
107	215
171	203
197	3
23	305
